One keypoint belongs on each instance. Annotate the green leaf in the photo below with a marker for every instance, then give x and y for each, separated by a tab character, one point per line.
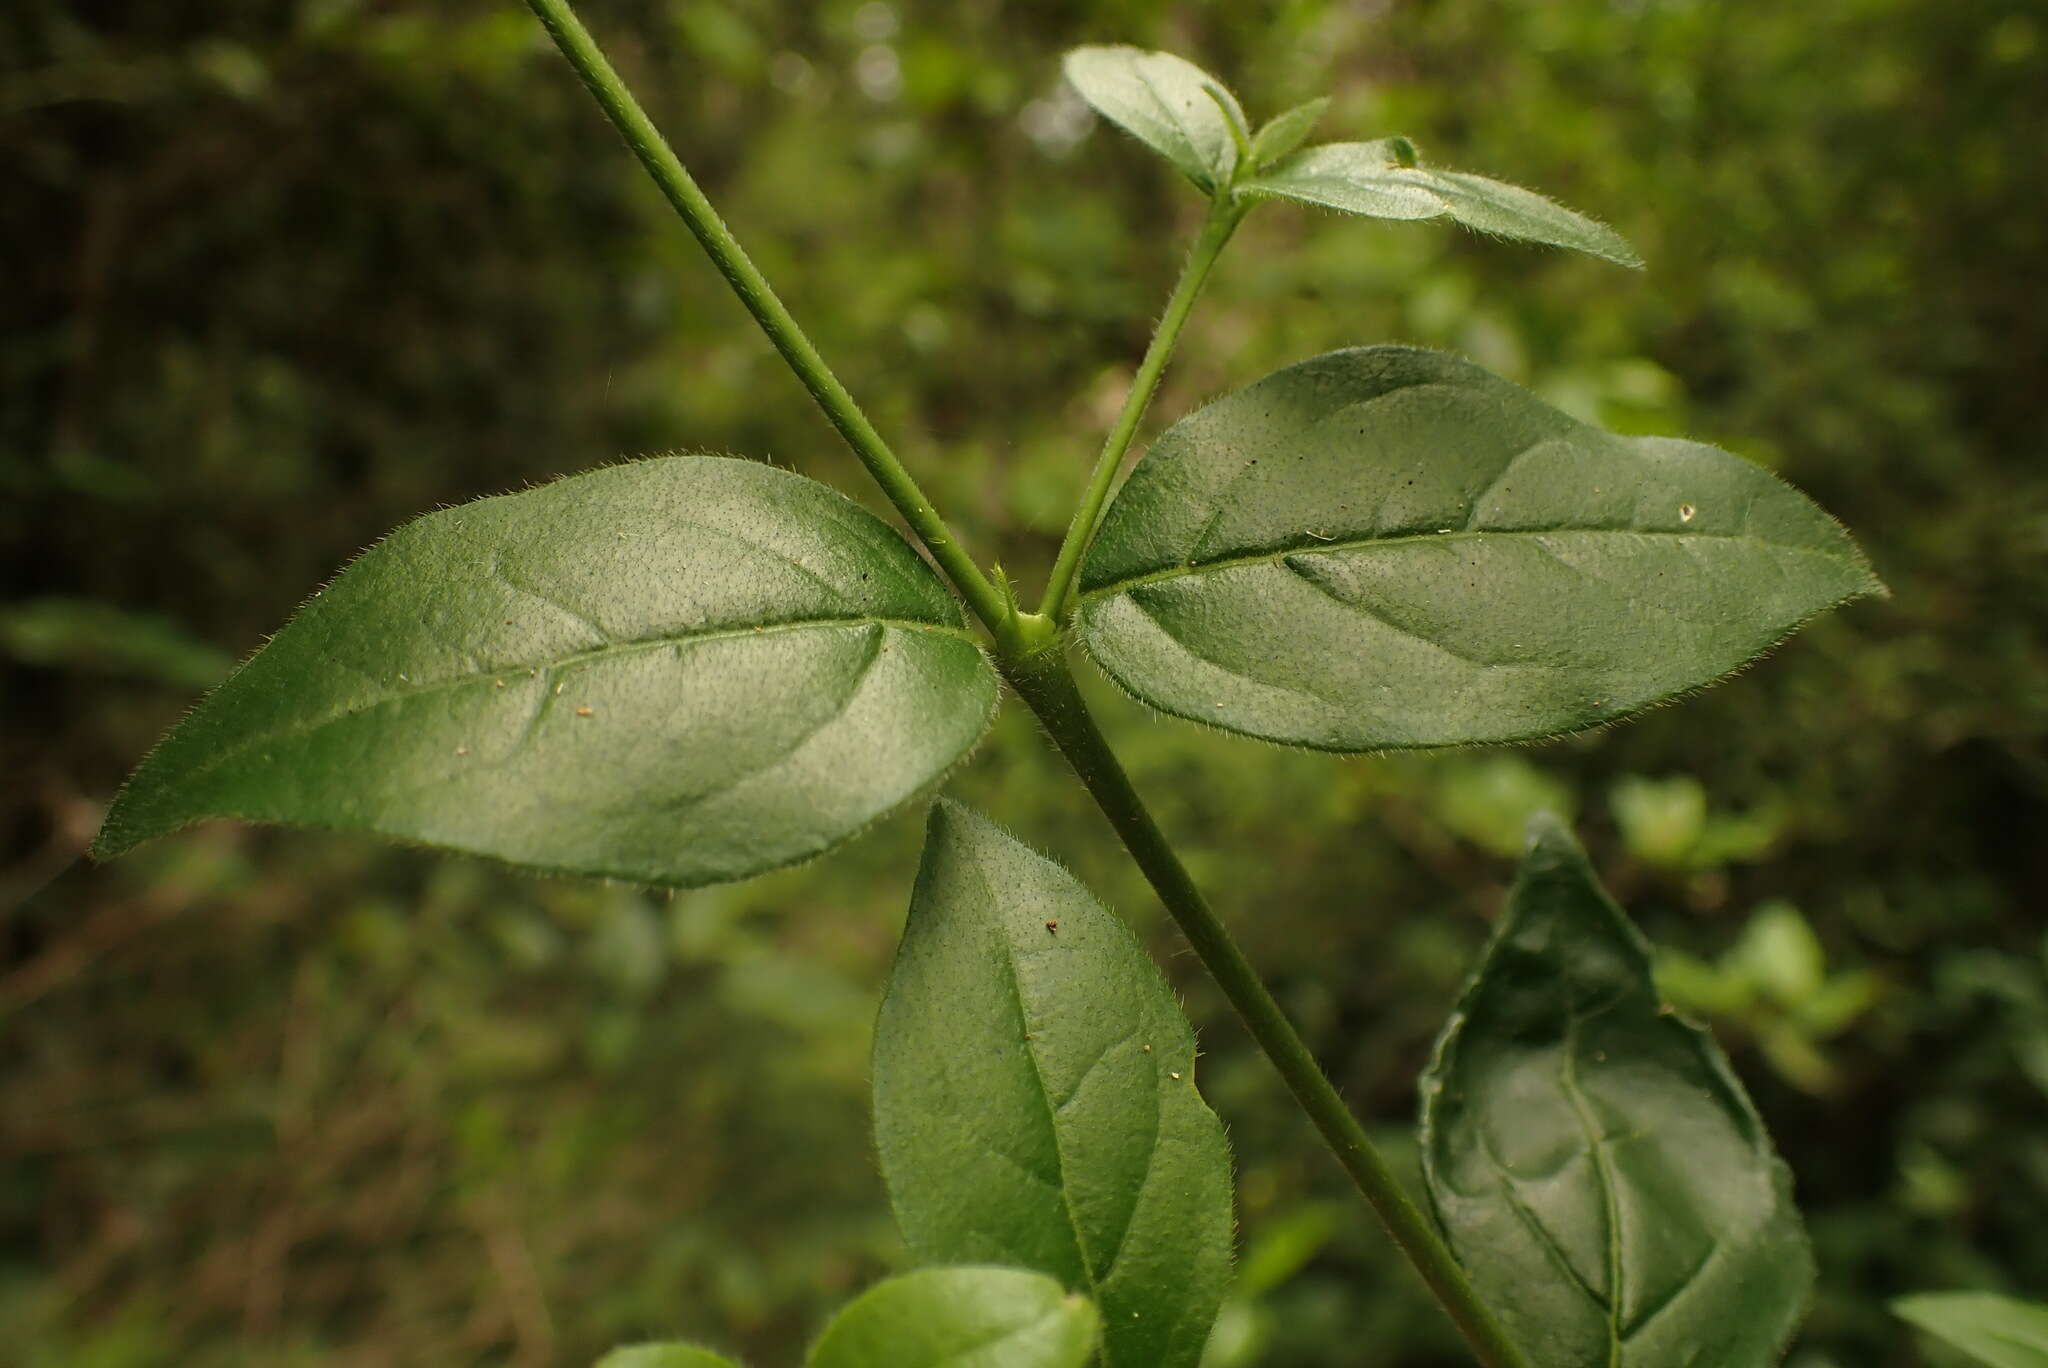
2004	1332
1596	1165
1035	1098
80	634
664	1356
1287	131
678	671
1383	180
1173	106
1388	548
962	1318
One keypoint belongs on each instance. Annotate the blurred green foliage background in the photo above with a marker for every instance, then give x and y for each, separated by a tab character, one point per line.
278	276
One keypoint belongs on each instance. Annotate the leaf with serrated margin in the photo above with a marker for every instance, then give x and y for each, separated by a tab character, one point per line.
1286	131
1382	180
2004	1332
664	1356
677	671
962	1318
1035	1099
1595	1164
1388	548
1168	103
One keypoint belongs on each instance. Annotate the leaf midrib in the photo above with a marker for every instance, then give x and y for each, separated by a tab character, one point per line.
1596	1144
1050	1317
545	669
1014	982
1317	547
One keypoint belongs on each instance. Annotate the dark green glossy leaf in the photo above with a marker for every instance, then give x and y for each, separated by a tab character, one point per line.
1035	1098
1383	180
962	1318
1389	548
1173	106
664	1356
677	671
2004	1332
1596	1165
1287	131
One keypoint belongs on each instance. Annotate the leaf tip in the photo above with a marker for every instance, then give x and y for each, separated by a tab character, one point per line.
1548	840
120	831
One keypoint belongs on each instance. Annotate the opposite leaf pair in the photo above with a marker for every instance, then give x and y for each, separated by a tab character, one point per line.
1191	118
696	669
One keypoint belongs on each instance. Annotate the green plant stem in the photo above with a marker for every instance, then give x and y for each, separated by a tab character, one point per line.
1223	219
1047	685
1030	656
560	20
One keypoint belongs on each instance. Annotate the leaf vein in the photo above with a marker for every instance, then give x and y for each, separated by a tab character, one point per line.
1316	546
543	671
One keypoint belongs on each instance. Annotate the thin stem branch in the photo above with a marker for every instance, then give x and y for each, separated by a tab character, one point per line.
1047	685
1028	652
1216	230
760	299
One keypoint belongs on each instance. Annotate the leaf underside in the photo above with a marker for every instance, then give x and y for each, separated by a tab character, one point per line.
1594	1162
1374	179
961	1318
1035	1100
1166	102
1387	547
677	671
2004	1332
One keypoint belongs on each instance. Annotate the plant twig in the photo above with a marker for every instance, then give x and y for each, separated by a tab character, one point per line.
1046	684
1223	219
760	300
1029	655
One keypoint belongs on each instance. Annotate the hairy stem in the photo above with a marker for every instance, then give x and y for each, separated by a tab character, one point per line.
1216	230
1029	654
760	299
1047	685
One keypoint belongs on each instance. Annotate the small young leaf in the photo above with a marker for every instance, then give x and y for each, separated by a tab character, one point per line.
677	671
1035	1100
2004	1332
962	1318
1173	106
664	1356
1287	131
1596	1165
1388	548
1382	180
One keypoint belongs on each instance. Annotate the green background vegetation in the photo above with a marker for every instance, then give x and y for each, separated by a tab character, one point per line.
280	276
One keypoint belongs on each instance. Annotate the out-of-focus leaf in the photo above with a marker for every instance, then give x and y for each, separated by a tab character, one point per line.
1781	953
664	1356
1596	1165
79	634
2004	1332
